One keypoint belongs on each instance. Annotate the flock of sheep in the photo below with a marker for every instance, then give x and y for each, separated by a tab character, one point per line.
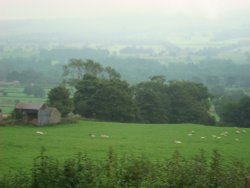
91	135
220	136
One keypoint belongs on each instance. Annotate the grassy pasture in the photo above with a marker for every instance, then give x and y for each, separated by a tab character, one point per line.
19	145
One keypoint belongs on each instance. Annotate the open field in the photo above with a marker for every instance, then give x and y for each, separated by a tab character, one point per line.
19	145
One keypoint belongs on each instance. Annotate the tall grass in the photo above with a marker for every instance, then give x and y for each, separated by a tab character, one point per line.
129	171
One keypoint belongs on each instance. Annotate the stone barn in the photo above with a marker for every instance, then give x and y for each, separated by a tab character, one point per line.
37	114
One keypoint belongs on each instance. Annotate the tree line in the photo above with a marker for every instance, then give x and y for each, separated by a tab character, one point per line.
100	93
97	92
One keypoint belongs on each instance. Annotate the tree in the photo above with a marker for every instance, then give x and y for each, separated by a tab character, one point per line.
189	103
104	99
152	100
237	113
112	74
59	97
35	90
77	68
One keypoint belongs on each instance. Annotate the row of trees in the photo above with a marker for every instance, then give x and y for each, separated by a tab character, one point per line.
100	93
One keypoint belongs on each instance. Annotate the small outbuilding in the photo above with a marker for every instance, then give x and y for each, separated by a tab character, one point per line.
37	114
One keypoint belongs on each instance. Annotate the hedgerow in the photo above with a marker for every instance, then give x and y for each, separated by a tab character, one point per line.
129	171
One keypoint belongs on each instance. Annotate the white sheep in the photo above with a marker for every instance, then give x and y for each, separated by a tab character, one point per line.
92	135
39	132
104	136
177	142
224	133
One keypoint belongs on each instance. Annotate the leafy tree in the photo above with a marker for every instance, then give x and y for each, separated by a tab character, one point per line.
189	103
38	91
112	74
77	68
152	101
104	99
229	98
35	90
83	97
237	113
27	76
59	97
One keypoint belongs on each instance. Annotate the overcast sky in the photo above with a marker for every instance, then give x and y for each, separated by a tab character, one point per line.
151	19
41	9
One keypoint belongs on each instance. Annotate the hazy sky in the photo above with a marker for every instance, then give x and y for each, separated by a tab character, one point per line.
151	19
34	9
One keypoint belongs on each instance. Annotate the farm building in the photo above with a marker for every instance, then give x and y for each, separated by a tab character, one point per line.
37	114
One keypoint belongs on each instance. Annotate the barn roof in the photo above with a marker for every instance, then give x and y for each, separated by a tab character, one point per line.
29	106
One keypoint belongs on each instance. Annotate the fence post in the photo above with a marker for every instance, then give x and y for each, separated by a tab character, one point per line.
247	182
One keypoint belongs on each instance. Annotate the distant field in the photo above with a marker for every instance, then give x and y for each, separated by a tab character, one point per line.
14	93
20	144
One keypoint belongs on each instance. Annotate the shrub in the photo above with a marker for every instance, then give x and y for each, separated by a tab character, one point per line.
130	171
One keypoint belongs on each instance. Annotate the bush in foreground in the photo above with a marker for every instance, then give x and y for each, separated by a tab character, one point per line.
129	171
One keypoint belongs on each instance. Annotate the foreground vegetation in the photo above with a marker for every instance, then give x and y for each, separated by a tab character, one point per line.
129	171
21	144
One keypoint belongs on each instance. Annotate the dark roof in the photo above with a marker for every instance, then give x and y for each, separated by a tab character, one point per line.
29	106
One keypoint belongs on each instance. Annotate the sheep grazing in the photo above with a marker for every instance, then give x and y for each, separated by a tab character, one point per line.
237	139
190	134
224	133
203	137
104	136
244	131
218	137
238	132
92	135
214	136
177	142
39	132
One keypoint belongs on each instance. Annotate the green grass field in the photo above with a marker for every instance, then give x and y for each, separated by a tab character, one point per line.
19	145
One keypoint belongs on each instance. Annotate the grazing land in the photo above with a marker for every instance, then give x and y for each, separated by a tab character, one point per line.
19	145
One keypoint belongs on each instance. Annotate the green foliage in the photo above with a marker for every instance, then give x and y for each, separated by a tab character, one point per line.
101	94
3	93
237	113
130	171
76	69
104	99
175	102
27	76
152	101
189	102
59	97
35	90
